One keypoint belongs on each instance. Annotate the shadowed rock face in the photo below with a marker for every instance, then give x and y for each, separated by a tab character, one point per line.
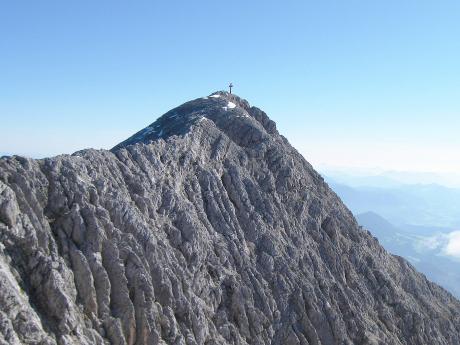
206	227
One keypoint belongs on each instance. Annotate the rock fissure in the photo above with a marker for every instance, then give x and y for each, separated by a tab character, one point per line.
206	227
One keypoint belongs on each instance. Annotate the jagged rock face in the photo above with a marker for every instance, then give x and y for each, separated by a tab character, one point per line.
206	227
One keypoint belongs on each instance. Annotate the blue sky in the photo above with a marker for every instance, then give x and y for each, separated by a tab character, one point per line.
366	84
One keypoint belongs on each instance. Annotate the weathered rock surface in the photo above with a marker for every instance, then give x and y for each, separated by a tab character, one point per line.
206	227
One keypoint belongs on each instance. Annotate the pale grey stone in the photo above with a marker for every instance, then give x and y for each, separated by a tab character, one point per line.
205	228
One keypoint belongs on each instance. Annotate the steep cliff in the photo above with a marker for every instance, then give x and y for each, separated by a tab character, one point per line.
206	227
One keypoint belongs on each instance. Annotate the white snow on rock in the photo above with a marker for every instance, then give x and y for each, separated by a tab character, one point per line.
230	105
215	96
146	131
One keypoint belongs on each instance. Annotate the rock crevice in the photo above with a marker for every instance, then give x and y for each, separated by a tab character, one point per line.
204	228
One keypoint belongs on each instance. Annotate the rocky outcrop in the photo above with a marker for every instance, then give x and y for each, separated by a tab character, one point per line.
206	227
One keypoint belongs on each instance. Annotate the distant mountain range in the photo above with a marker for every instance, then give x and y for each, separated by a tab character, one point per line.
425	247
385	179
429	205
419	222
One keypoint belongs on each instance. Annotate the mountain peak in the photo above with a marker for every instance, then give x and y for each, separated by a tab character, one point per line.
228	112
216	232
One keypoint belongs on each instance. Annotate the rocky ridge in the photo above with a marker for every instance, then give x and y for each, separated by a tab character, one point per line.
206	227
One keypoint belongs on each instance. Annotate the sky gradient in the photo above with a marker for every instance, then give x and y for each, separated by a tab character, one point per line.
364	84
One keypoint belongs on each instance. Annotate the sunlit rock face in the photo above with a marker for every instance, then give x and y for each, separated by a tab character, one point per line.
206	227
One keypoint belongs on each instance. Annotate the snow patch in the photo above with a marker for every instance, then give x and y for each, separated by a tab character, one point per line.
215	96
146	131
230	105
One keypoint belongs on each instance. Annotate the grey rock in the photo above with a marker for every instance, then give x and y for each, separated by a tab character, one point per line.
206	227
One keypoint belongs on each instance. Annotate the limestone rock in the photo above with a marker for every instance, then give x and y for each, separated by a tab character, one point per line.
204	228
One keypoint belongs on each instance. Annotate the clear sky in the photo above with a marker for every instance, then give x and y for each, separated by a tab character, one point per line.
350	83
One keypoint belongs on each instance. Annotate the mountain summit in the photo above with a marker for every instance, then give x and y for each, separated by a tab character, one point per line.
204	228
227	112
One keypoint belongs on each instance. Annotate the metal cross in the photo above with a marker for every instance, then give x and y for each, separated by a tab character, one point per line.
230	87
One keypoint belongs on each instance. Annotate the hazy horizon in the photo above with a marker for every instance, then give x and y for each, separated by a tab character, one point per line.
359	85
